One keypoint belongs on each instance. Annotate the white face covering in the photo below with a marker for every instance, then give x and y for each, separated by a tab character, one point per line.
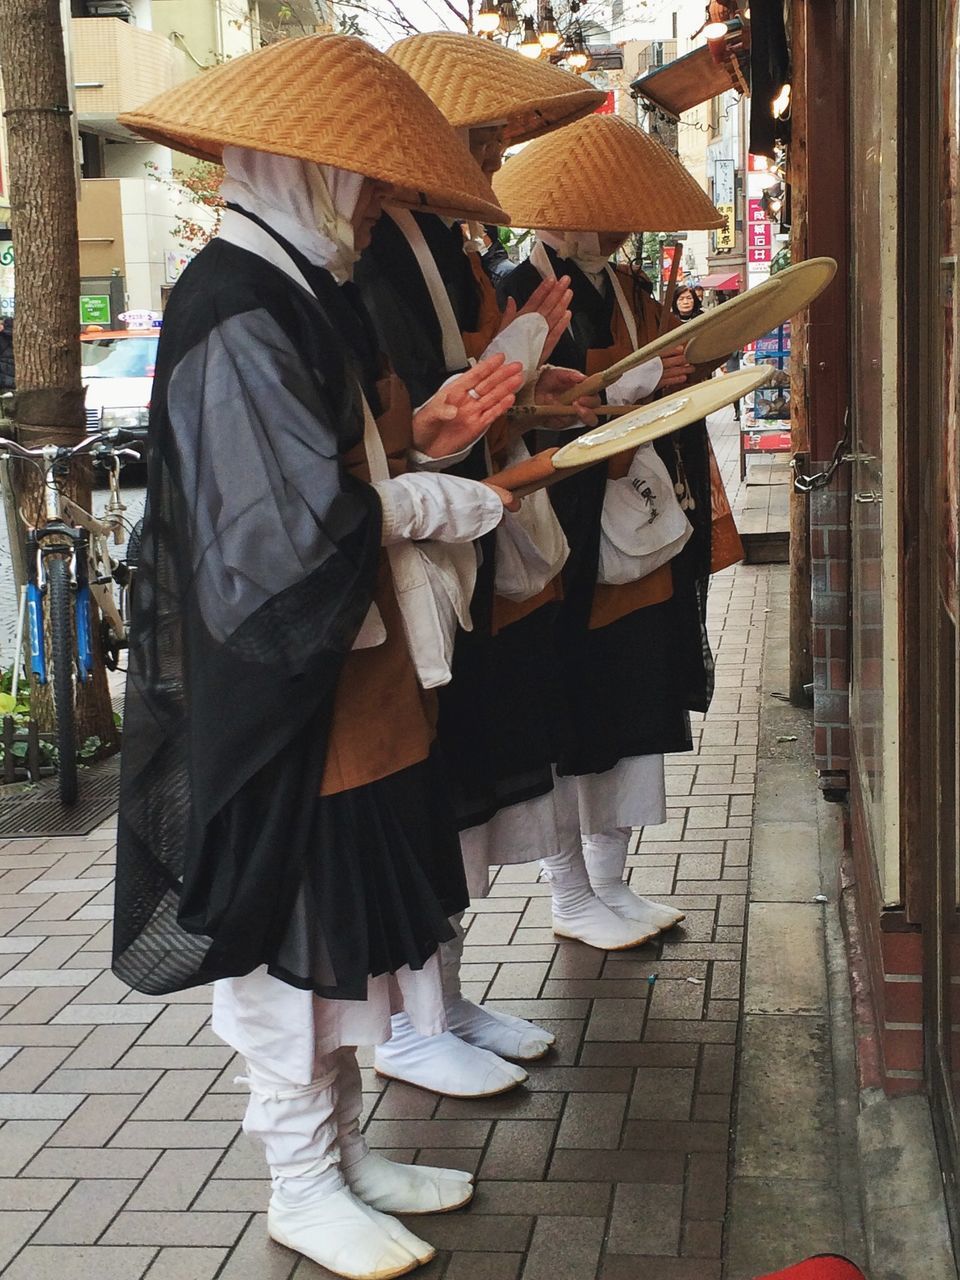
310	205
581	247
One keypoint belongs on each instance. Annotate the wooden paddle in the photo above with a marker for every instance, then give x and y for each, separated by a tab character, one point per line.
540	412
538	472
671	292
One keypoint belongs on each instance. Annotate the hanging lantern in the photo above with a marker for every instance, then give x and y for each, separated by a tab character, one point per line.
578	59
550	37
530	46
509	22
488	18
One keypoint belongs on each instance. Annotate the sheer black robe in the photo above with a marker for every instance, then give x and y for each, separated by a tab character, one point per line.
503	713
258	563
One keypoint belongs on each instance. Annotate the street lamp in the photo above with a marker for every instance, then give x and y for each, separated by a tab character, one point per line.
488	18
550	37
530	46
509	21
578	58
716	36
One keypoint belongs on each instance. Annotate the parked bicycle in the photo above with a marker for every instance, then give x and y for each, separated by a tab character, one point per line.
69	566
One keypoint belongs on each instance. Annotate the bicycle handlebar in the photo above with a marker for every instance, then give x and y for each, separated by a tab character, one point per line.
111	441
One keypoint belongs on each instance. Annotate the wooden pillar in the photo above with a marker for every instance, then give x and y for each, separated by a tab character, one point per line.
819	364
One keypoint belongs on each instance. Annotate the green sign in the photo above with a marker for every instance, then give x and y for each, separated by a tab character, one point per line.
95	308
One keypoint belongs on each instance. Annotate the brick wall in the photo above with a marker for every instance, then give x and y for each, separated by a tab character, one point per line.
830	569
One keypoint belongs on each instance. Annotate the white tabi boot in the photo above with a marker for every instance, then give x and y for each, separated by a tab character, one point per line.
500	1033
443	1063
605	855
380	1183
578	912
312	1210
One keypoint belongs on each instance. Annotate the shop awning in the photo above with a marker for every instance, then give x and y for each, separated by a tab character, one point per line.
697	77
722	280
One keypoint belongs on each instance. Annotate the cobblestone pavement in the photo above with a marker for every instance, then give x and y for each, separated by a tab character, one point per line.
121	1154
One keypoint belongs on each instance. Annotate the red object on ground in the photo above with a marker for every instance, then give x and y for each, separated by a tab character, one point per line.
826	1267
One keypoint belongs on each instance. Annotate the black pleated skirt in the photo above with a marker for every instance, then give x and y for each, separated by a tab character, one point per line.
386	875
503	718
625	691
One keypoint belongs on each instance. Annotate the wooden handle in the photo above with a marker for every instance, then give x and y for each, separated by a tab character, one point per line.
531	471
541	412
556	475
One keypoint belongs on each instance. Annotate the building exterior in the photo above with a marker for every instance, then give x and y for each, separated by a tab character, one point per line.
709	138
120	54
874	167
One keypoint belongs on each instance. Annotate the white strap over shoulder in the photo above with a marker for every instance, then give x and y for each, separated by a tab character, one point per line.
628	316
454	353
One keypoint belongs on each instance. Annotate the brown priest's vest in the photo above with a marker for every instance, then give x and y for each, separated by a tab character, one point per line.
383	721
498	440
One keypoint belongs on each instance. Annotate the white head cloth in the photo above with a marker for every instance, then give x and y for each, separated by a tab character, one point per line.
310	205
581	247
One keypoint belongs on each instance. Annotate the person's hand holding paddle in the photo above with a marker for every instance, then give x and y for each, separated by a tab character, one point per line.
676	370
554	387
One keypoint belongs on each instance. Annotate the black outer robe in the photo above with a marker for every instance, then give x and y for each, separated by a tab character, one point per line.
630	684
503	713
258	563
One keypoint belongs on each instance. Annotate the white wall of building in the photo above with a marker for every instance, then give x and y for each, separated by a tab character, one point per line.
153	255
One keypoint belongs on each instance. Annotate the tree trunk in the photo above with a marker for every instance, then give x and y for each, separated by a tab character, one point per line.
48	406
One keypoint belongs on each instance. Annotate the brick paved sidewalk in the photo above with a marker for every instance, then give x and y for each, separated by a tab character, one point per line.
121	1154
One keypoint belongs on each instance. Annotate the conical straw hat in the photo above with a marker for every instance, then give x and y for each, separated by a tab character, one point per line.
333	100
476	82
602	174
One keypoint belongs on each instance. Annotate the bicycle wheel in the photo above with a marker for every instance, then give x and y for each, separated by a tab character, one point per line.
60	601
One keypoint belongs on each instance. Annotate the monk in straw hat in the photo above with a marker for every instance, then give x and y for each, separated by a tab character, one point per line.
632	633
503	716
282	829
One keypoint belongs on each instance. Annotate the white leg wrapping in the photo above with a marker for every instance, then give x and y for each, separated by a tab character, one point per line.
605	855
311	1210
577	911
499	1033
380	1183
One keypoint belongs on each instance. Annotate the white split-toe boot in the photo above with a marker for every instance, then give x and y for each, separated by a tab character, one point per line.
312	1210
499	1033
578	912
469	1059
605	855
384	1184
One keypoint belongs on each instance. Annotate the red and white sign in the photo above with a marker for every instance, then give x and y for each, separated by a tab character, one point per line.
760	235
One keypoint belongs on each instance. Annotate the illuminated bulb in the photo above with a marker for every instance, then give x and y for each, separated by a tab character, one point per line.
530	46
781	103
715	31
488	18
578	59
549	35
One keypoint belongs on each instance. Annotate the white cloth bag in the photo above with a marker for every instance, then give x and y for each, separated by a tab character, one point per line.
642	525
531	545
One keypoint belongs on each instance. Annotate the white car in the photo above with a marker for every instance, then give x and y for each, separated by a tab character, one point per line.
118	367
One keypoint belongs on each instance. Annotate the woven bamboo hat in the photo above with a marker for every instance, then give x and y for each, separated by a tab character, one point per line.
475	82
330	99
602	174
